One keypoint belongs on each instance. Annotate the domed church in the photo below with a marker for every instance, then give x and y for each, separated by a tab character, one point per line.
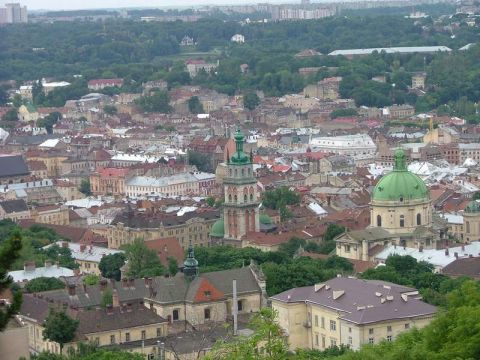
401	213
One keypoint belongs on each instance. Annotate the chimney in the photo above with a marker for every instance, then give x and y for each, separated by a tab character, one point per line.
29	266
103	284
83	247
131	282
71	289
463	247
455	254
129	307
64	244
421	248
115	300
470	255
48	264
124	283
446	252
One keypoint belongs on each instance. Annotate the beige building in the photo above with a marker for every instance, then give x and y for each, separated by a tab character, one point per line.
418	81
401	213
51	214
471	222
14	210
348	311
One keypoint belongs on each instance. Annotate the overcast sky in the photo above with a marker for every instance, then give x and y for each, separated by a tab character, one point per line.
102	4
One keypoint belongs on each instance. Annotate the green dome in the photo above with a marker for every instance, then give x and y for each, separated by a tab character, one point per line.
218	229
400	184
472	207
265	219
239	157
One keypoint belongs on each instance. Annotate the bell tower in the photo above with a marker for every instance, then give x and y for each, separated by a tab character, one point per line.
240	210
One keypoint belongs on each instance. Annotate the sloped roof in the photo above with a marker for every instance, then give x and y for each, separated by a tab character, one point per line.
13	166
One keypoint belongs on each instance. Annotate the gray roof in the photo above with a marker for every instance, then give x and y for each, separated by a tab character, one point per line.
391	50
361	301
13	166
14	206
369	234
163	290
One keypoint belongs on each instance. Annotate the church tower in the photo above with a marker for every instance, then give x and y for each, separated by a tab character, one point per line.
240	210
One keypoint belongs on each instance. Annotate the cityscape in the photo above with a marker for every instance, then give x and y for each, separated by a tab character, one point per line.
270	181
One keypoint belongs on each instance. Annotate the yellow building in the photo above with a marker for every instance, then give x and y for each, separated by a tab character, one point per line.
348	311
51	214
471	222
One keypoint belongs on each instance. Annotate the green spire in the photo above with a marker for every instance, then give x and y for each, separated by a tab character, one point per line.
239	157
190	265
400	161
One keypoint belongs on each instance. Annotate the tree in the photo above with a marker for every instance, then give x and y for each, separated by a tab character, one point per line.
3	95
10	115
107	298
158	102
172	266
267	342
59	327
201	161
110	109
48	121
110	265
9	252
44	284
195	106
91	279
476	196
142	262
251	100
85	187
275	199
210	201
37	92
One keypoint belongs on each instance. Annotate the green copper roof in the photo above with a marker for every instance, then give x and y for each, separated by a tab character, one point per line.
265	219
472	207
239	157
190	262
400	184
218	229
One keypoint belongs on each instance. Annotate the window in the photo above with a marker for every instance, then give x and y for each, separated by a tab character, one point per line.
349	329
419	219
350	340
333	325
407	326
347	248
323	341
370	331
389	328
333	342
240	305
206	314
97	341
127	336
175	314
151	356
159	332
316	340
371	340
389	338
112	339
379	220
323	323
468	226
245	198
316	320
207	293
144	334
402	221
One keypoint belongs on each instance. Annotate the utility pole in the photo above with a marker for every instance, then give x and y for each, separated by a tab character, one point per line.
235	308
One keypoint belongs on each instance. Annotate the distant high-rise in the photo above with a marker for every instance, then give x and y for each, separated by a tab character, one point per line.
13	13
305	2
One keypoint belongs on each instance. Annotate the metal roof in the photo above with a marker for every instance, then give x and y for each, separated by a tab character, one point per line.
391	50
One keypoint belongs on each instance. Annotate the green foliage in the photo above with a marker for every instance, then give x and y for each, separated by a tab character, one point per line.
476	196
44	284
210	201
10	115
275	199
267	341
59	327
142	262
3	95
92	353
9	252
107	298
251	100
110	265
85	187
329	353
91	279
60	255
172	266
201	161
48	121
110	109
195	106
158	102
342	113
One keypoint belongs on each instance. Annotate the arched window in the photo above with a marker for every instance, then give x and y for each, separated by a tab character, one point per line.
236	172
245	198
251	197
419	219
379	220
243	172
230	172
235	198
402	221
468	227
230	198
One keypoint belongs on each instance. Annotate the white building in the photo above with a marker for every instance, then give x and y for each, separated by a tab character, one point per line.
238	38
31	272
358	144
174	185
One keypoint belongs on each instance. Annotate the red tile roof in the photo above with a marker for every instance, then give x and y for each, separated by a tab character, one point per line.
207	292
112	172
165	248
